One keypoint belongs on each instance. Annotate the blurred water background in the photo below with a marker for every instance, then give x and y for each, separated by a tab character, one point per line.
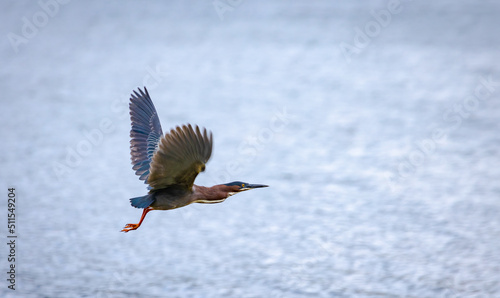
376	124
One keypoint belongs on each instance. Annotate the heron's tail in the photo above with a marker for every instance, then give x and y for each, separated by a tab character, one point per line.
142	202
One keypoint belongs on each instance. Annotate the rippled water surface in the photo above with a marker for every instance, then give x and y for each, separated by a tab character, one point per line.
376	126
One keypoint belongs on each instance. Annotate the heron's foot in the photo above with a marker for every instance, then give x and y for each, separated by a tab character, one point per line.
130	227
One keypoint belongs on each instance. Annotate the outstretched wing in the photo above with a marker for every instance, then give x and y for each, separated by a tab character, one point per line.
145	133
181	156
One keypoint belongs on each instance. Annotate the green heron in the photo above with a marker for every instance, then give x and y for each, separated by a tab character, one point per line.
170	163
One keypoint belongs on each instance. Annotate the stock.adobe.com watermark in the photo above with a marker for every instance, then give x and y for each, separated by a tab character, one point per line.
364	35
91	139
453	119
223	6
250	147
33	24
75	154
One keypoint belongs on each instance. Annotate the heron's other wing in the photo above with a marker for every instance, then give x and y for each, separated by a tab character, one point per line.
145	133
181	156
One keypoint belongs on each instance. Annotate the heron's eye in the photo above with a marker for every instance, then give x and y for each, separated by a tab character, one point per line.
243	185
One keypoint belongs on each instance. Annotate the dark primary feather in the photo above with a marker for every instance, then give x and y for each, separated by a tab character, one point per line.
181	156
145	133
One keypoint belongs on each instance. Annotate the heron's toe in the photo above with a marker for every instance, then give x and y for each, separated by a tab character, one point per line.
130	227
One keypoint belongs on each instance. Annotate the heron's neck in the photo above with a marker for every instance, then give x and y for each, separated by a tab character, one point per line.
214	194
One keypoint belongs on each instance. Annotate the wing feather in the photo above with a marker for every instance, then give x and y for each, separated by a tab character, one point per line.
181	156
145	132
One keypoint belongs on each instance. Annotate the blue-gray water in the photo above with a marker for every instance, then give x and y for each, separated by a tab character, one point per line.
377	132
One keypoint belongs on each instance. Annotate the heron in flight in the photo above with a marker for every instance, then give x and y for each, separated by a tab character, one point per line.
170	163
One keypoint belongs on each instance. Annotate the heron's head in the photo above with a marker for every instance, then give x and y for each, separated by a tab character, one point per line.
238	186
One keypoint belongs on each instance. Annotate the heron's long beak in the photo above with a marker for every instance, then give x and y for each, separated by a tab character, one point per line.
252	186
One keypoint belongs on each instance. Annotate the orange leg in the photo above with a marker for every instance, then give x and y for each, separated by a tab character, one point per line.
130	227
